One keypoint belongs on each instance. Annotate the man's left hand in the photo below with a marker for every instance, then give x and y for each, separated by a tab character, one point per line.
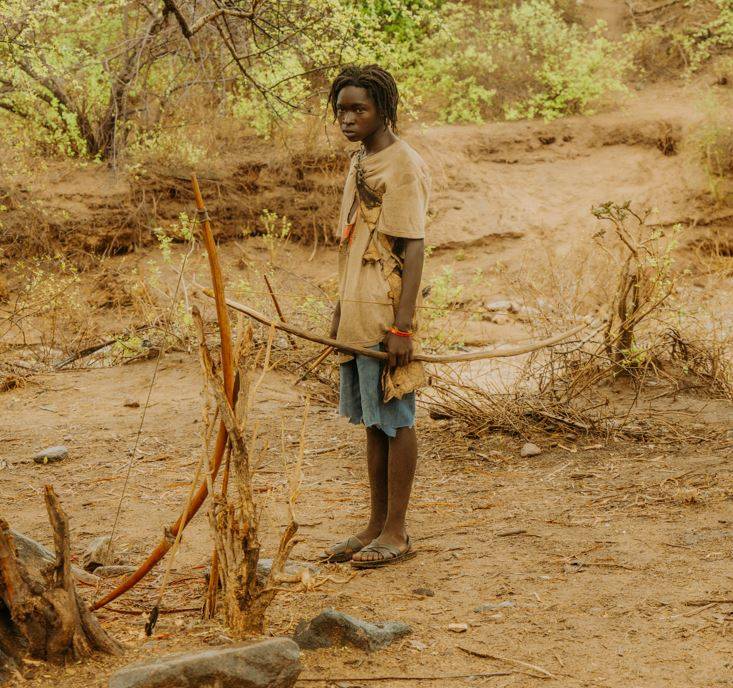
399	349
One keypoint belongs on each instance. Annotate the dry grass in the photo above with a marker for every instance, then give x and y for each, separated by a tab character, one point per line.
714	144
639	351
658	54
296	175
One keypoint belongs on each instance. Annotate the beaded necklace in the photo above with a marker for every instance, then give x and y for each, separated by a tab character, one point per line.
369	196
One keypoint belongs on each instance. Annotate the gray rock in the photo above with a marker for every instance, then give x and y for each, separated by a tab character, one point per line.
331	628
530	449
51	454
271	663
98	553
491	606
36	557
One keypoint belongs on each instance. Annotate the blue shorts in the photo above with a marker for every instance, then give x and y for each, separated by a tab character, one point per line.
360	397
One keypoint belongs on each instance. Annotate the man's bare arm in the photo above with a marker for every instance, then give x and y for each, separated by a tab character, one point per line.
400	348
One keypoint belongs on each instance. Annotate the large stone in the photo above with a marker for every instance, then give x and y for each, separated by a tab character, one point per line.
51	454
271	663
331	628
36	557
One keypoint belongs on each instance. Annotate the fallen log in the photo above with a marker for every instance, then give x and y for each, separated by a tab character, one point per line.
428	358
42	615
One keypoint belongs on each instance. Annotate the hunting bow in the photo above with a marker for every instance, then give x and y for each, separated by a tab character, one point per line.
428	358
221	438
228	373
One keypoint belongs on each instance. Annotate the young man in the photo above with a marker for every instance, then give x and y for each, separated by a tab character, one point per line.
380	266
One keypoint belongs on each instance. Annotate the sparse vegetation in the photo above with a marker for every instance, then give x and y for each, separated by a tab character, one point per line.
275	232
680	37
714	143
645	334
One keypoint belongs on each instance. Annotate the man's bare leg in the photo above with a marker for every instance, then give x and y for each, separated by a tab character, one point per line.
377	462
400	475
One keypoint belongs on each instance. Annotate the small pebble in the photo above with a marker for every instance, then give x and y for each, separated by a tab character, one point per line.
501	306
51	454
458	627
530	449
491	606
131	403
417	645
425	592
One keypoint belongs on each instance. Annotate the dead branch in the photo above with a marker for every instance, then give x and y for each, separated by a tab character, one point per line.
508	660
42	615
402	677
189	30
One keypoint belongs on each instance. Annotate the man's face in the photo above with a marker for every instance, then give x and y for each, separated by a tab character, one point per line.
357	114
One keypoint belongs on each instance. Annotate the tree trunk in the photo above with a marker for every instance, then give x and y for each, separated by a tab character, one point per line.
41	613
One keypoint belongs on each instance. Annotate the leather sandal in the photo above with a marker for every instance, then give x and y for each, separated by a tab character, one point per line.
389	555
342	551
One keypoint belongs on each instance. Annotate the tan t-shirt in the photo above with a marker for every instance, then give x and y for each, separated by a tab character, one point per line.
368	288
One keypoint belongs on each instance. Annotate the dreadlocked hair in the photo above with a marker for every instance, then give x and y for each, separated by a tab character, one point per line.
378	83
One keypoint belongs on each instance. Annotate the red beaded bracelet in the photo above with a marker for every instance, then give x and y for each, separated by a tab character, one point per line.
399	333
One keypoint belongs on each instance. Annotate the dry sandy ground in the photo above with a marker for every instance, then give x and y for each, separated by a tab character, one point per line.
618	539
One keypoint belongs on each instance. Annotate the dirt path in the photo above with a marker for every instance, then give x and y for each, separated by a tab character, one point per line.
617	539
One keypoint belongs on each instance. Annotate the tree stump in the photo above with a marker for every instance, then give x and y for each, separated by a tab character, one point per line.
42	615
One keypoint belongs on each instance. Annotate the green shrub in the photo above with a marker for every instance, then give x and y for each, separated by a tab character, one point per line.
511	61
566	70
663	49
86	86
